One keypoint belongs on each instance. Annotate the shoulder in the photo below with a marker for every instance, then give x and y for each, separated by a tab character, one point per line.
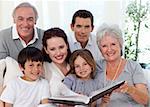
132	64
40	31
5	33
70	81
47	67
13	82
101	63
92	38
43	83
70	78
7	30
133	67
50	68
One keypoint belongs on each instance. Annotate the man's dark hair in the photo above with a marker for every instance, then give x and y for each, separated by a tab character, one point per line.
83	14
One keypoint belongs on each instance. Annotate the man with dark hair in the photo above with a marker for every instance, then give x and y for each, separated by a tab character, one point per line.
82	26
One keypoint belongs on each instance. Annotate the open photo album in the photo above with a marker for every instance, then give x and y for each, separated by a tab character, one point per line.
85	100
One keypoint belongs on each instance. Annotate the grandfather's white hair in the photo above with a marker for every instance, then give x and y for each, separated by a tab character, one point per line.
26	4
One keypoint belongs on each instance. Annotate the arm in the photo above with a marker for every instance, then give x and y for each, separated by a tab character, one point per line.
45	92
104	101
69	81
1	103
138	92
8	105
3	51
44	101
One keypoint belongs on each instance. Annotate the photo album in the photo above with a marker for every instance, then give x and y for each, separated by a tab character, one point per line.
83	99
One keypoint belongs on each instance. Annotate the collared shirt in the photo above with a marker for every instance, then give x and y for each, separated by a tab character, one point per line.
91	45
16	36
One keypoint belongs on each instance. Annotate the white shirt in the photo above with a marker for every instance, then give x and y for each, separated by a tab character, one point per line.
23	93
54	75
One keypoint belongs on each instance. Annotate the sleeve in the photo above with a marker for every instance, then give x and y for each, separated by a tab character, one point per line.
59	88
99	66
45	89
138	76
66	91
69	81
3	52
8	94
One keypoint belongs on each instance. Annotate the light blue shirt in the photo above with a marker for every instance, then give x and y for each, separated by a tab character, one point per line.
78	85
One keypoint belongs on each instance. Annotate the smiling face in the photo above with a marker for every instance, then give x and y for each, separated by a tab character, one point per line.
32	70
82	29
110	47
82	68
56	49
25	20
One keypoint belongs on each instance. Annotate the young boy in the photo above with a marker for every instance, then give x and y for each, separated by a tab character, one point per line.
29	90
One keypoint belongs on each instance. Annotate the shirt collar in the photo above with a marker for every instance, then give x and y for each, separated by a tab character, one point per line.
89	41
16	36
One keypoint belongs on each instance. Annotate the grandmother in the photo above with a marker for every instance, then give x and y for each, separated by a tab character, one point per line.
134	92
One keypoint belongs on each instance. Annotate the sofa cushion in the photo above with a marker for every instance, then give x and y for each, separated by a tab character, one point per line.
12	69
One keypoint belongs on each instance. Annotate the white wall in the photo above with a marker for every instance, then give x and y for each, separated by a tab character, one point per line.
59	12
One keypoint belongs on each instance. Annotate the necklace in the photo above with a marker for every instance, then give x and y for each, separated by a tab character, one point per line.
117	70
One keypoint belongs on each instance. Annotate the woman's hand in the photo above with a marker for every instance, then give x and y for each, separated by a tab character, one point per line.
138	92
123	88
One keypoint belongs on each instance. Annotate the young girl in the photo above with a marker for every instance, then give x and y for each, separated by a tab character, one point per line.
82	78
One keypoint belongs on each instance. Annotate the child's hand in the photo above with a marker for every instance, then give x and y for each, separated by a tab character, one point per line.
106	98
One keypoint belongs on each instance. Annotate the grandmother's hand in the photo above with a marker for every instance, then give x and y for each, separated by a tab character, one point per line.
123	88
